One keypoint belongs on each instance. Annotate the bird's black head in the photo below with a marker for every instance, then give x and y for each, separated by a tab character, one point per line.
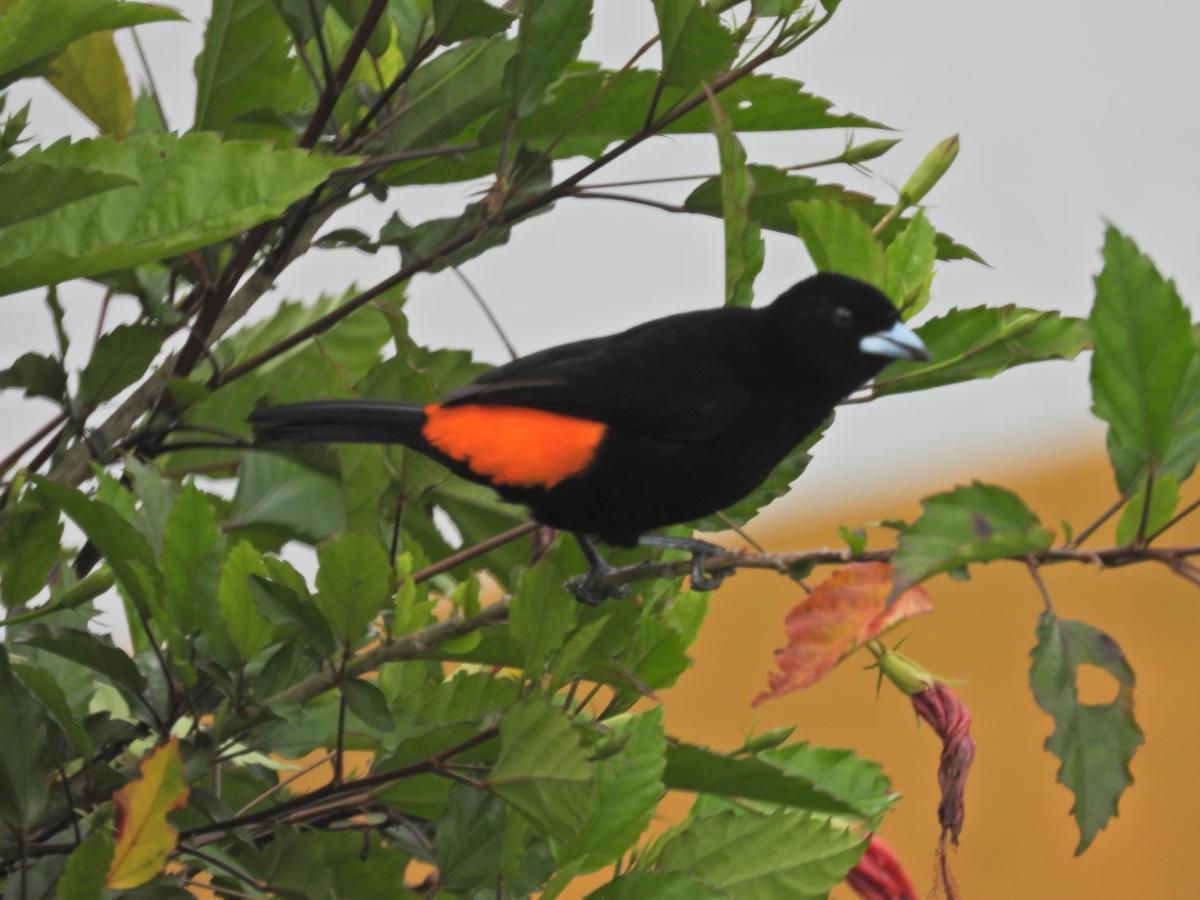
839	332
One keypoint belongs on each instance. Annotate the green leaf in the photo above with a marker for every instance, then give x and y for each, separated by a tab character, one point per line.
354	581
909	265
542	770
972	524
32	31
838	240
450	91
128	554
695	45
37	188
87	868
795	854
43	685
776	189
744	249
248	629
91	75
660	886
246	68
1095	742
285	601
785	781
24	758
983	341
840	773
90	651
470	838
1145	372
625	794
191	191
1164	497
121	357
192	553
30	536
40	376
274	491
459	20
367	702
541	614
548	40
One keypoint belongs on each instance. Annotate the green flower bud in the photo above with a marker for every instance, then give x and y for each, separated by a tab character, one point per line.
768	740
930	171
906	674
861	153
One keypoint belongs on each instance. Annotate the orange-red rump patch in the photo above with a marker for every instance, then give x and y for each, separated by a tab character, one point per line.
514	445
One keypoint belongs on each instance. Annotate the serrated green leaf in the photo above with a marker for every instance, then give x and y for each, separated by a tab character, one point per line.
548	40
24	760
246	68
775	189
460	20
191	191
37	188
625	794
660	886
839	241
192	552
983	341
786	781
353	581
695	45
33	31
839	773
541	614
366	700
1164	497
42	684
744	249
91	75
1095	742
90	651
127	553
909	265
248	629
1145	369
542	770
87	868
470	838
284	600
795	854
121	357
971	524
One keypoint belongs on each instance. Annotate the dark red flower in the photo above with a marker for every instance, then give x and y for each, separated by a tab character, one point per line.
879	875
951	720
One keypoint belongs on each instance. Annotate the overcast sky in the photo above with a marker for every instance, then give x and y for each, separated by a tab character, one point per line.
1069	113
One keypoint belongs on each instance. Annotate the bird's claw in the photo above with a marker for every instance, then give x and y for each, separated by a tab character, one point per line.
590	592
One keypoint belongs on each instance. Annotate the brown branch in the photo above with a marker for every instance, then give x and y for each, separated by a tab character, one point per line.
32	441
1109	558
1100	520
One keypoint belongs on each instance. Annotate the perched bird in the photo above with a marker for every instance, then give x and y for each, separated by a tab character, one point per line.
669	421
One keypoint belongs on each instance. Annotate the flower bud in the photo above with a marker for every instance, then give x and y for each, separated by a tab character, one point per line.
906	674
878	874
930	171
861	153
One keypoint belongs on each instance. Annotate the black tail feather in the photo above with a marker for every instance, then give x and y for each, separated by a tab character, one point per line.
340	421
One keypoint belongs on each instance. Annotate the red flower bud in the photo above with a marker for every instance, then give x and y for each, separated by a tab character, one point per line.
879	875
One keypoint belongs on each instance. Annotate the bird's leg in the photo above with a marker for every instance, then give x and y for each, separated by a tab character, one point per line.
700	550
589	591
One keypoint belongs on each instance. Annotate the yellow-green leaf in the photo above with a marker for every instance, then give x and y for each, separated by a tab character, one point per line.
92	76
144	839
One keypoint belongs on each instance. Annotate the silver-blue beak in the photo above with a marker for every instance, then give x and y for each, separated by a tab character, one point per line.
897	342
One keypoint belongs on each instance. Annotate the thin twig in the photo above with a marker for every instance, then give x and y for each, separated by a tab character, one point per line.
475	551
322	49
1100	520
222	865
487	311
1147	498
588	194
30	442
275	788
358	135
1179	517
1036	574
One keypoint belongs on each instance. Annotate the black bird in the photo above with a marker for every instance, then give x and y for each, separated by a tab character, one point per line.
667	422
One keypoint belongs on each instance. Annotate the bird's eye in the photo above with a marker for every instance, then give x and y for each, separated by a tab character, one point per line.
842	317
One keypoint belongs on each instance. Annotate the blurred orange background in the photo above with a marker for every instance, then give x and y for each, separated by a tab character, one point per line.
1019	839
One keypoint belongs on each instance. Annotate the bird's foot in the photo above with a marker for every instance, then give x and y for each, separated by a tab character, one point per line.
588	589
702	551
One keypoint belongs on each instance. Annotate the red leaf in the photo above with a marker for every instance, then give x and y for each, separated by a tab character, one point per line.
846	610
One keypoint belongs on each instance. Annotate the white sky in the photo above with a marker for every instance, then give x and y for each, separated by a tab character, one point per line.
1069	112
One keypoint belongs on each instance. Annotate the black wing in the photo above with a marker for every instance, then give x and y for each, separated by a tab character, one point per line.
668	378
